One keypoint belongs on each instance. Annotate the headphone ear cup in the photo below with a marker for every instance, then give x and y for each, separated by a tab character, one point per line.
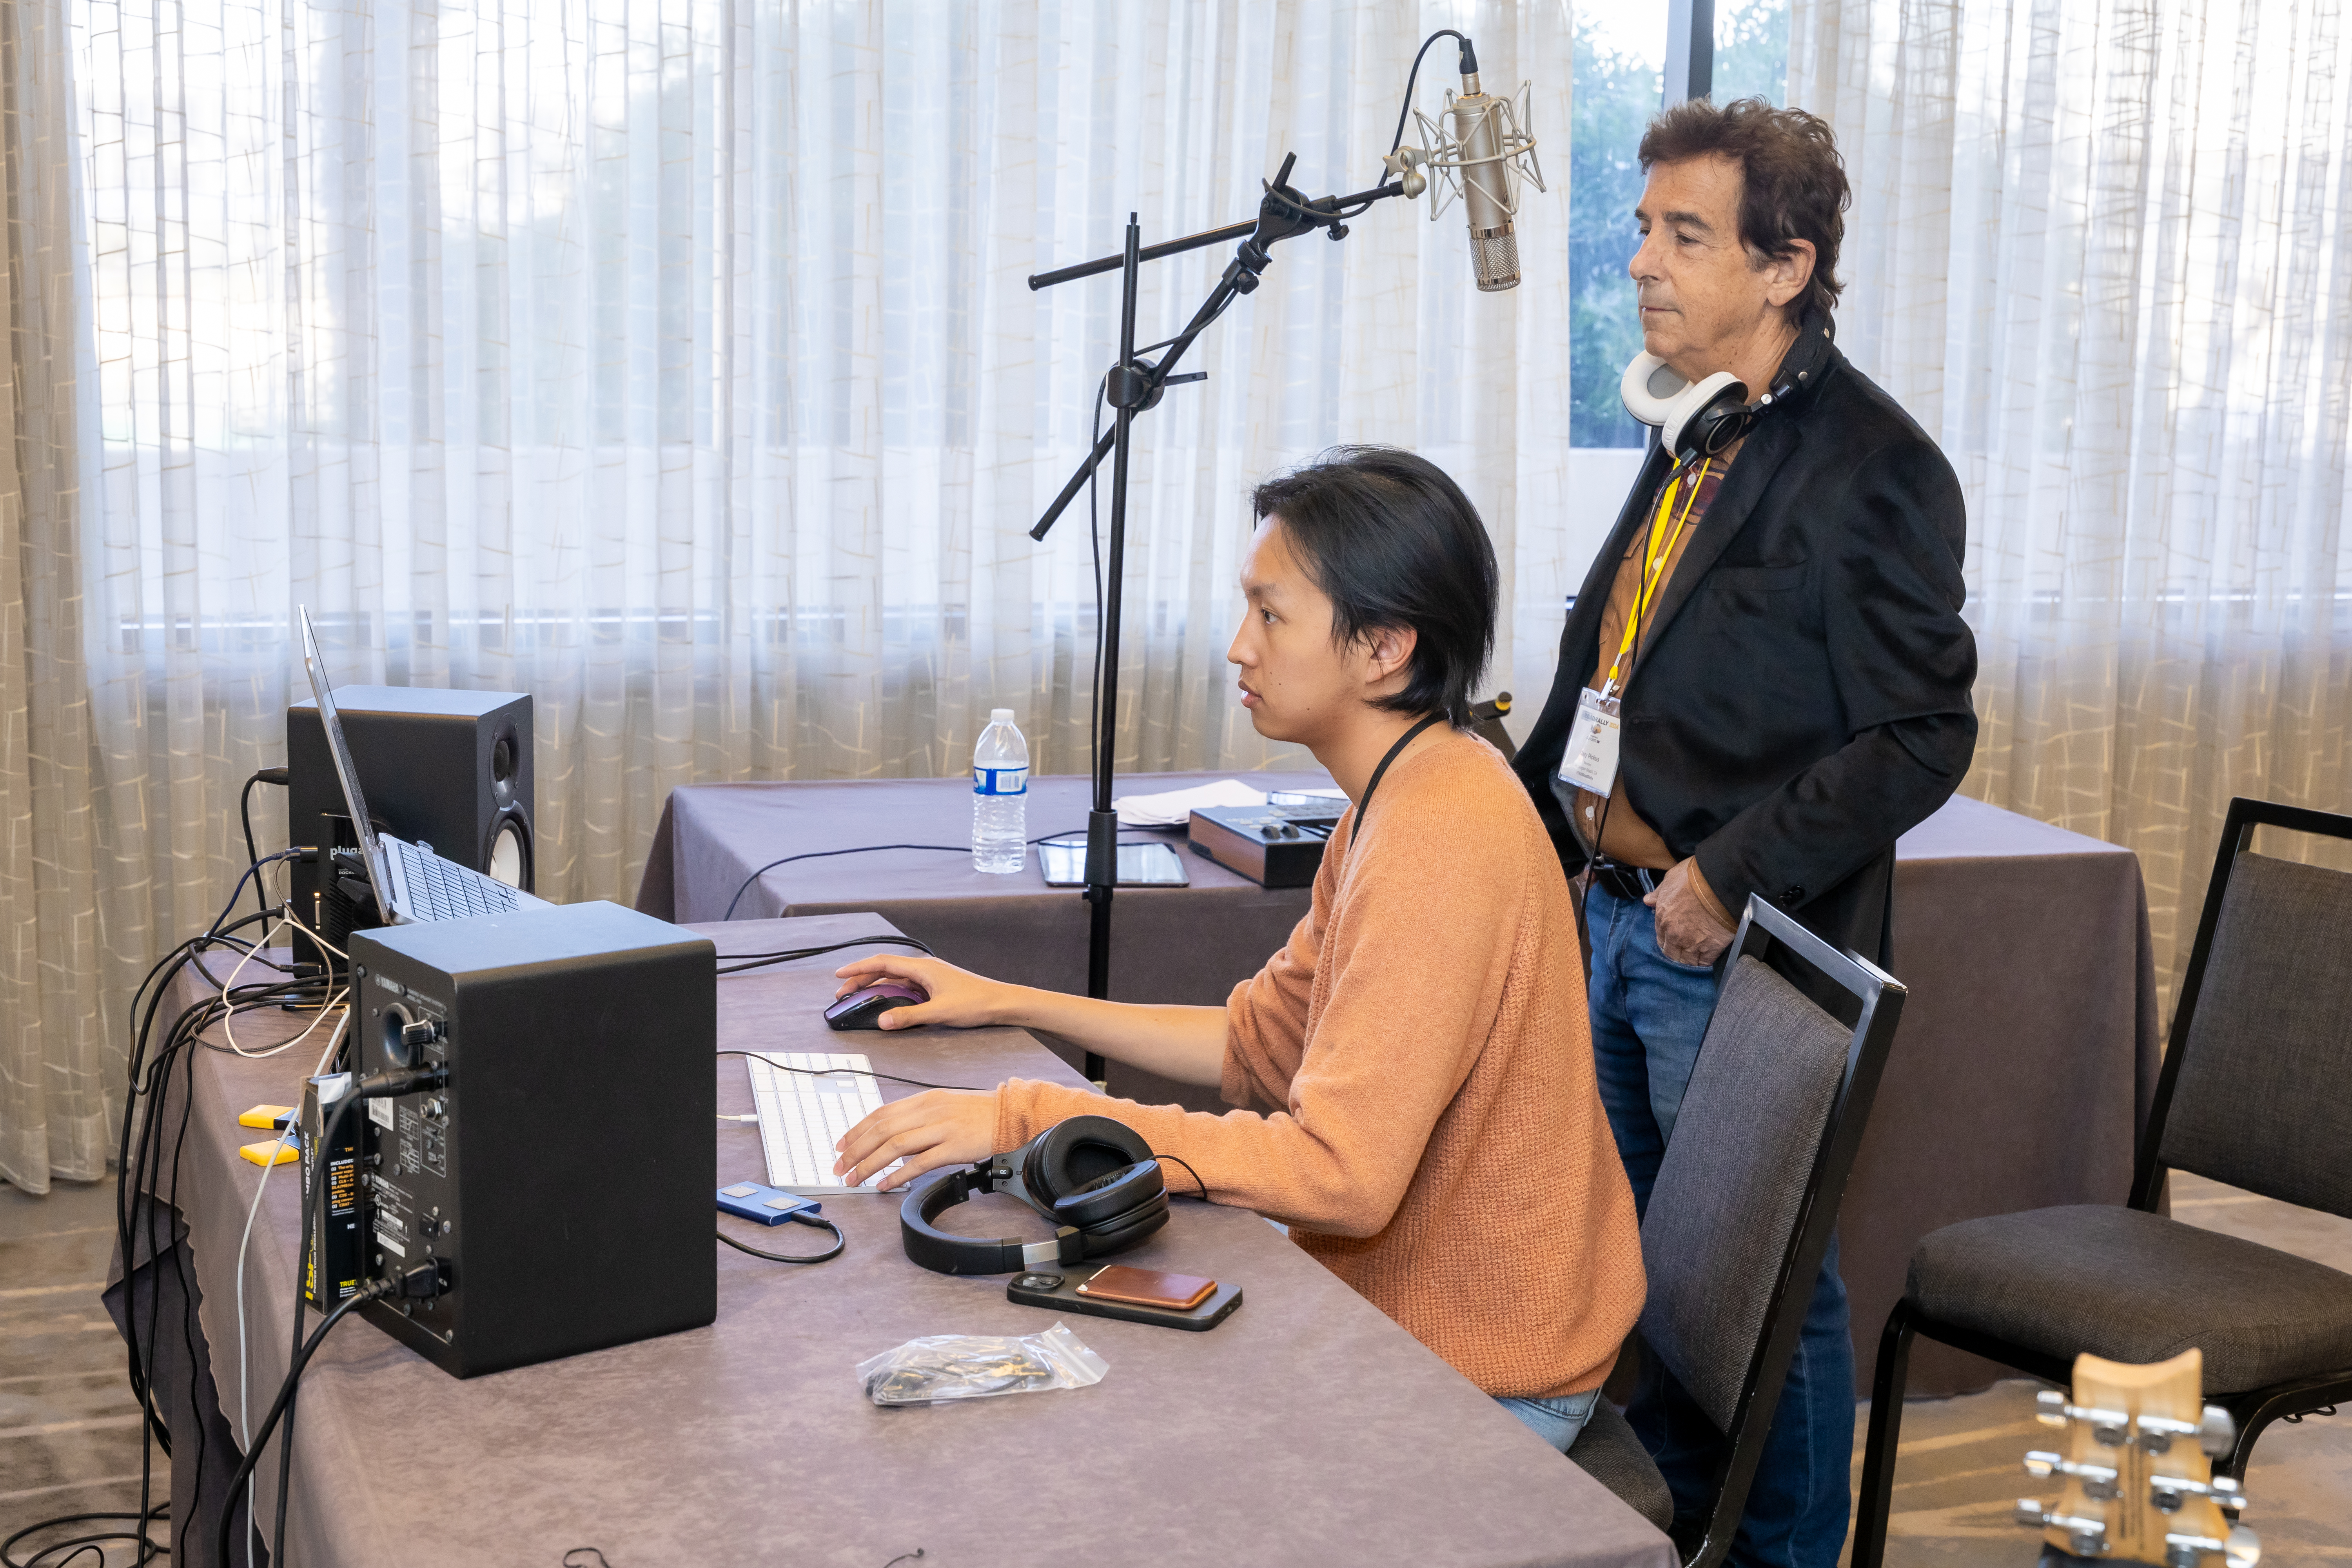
1649	388
1695	428
1071	1154
1126	1230
1109	1198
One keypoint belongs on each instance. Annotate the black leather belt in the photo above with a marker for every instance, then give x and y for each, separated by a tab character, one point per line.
1631	883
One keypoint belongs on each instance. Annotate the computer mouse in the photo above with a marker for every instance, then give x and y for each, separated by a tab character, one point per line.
863	1008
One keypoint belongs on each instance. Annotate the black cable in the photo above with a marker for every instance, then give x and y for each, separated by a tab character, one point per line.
1072	833
854	1072
149	1548
839	1242
139	1159
762	960
825	854
285	1396
244	814
591	1551
1406	112
313	1235
1189	1171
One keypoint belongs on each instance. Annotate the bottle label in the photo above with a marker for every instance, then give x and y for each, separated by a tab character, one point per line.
999	780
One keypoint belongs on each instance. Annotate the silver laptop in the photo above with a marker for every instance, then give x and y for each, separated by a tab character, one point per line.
411	882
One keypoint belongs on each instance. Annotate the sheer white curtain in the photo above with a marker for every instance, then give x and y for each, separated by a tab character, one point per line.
55	1062
2102	249
673	360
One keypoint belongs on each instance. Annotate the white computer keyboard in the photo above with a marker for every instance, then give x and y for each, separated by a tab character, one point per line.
800	1115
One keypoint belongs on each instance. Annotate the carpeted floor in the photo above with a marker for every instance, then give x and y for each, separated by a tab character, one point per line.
70	1440
69	1431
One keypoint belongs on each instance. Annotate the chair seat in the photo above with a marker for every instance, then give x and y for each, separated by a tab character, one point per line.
1609	1452
2139	1287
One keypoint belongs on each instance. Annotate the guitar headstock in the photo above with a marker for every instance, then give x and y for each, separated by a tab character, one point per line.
2138	1473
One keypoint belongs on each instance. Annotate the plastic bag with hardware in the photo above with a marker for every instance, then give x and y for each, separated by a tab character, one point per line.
941	1367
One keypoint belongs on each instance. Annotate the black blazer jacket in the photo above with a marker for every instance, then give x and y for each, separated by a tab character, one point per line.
1802	694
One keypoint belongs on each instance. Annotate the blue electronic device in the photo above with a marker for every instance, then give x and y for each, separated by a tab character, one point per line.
763	1204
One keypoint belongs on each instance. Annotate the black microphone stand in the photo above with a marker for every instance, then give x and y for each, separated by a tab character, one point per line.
1135	384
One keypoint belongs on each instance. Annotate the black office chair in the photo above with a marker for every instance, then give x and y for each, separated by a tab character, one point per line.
2256	1092
1746	1199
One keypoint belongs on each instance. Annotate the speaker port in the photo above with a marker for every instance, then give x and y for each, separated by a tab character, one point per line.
404	1037
396	1048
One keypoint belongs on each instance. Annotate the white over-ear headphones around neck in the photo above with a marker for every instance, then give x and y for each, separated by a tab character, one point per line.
1656	395
1701	421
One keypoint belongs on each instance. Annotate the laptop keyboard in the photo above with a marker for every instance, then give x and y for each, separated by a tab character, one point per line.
443	891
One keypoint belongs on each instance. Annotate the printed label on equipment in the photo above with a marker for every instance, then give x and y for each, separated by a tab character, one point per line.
1000	781
1590	760
390	1244
380	1112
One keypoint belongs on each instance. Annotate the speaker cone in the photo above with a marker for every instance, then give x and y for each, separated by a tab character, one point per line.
504	759
510	857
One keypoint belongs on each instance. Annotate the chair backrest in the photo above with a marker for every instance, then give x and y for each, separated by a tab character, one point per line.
2257	1083
1747	1193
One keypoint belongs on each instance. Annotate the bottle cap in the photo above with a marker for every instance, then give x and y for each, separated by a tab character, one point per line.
999	715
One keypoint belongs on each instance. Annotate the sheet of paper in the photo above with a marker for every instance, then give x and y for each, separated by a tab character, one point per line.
1173	808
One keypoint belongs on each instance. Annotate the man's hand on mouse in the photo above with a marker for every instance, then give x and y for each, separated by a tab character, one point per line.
958	998
938	1126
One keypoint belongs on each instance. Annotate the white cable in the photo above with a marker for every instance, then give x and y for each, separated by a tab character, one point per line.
244	1400
229	1013
296	921
284	920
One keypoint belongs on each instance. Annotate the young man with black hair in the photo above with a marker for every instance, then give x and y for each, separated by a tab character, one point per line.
1775	627
1418	1082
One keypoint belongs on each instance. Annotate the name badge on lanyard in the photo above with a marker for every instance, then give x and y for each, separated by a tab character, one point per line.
1590	760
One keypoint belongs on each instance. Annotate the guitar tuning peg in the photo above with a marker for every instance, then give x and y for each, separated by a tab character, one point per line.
2219	1434
2085	1537
2239	1548
2050	1407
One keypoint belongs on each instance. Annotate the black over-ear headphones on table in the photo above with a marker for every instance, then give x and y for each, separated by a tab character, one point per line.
1093	1178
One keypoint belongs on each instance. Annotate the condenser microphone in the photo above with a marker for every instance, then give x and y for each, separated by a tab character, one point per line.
1486	192
1480	147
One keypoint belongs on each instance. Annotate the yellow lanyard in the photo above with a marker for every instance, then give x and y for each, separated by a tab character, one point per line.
1653	570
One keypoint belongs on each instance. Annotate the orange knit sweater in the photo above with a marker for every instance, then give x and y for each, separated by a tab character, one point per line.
1430	1128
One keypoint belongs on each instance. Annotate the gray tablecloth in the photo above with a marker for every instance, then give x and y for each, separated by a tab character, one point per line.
1307	1427
2028	1052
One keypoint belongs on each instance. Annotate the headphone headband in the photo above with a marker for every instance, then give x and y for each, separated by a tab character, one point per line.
1093	1178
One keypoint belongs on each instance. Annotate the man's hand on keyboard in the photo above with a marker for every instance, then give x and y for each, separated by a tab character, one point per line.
959	998
938	1126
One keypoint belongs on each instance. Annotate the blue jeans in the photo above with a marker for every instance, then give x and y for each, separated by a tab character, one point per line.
1649	1014
1556	1421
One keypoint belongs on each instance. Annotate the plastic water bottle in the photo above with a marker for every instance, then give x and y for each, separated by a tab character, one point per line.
999	796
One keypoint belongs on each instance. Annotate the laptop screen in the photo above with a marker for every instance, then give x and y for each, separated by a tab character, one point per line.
371	855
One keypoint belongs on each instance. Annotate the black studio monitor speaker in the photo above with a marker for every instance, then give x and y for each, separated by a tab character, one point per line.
560	1172
448	768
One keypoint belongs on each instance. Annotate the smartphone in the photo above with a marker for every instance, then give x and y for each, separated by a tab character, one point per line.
1147	1288
1067	1293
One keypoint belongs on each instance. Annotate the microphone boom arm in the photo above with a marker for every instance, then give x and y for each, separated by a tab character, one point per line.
1282	214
